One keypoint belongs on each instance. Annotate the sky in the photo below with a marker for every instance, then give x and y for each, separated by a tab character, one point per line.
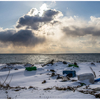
49	27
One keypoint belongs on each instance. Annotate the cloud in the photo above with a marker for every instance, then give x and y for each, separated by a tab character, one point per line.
76	27
62	34
20	38
81	31
37	21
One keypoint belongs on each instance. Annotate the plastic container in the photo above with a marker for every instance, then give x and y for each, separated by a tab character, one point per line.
97	80
70	65
31	68
86	76
70	73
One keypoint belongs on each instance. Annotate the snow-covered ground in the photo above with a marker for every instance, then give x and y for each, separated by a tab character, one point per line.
18	76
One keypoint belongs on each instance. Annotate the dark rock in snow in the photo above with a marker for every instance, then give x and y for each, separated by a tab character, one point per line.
44	82
52	70
16	68
53	74
59	77
97	95
92	64
64	62
75	63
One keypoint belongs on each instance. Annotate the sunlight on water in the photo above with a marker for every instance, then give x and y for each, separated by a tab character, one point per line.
42	58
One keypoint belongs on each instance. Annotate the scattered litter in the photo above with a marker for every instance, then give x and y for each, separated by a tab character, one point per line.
97	80
65	78
70	65
31	68
70	73
50	62
82	84
86	76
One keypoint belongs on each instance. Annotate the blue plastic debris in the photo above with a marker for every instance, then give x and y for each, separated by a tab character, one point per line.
97	80
70	73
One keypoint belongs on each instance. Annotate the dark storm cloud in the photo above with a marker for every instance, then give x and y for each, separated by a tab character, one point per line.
20	38
81	31
34	21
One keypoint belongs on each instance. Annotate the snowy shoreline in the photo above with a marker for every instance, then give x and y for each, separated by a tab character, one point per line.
30	84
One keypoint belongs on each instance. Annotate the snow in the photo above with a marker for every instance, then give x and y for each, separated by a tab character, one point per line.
23	78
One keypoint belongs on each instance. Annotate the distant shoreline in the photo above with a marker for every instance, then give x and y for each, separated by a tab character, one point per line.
44	54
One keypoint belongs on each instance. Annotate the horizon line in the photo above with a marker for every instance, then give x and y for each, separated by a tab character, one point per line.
48	53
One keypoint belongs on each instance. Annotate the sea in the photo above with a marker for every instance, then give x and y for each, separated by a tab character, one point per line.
43	58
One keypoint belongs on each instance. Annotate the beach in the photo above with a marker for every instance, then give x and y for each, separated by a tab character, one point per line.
41	83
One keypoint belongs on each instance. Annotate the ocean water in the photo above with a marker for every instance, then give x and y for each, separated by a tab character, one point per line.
43	58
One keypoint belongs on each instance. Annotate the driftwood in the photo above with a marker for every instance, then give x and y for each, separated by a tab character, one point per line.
51	62
6	78
93	72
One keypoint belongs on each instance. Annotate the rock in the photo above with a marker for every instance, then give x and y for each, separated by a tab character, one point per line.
59	77
96	89
65	78
52	70
75	63
97	95
44	82
60	88
73	80
53	74
47	89
64	62
17	89
92	64
30	87
16	68
6	92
